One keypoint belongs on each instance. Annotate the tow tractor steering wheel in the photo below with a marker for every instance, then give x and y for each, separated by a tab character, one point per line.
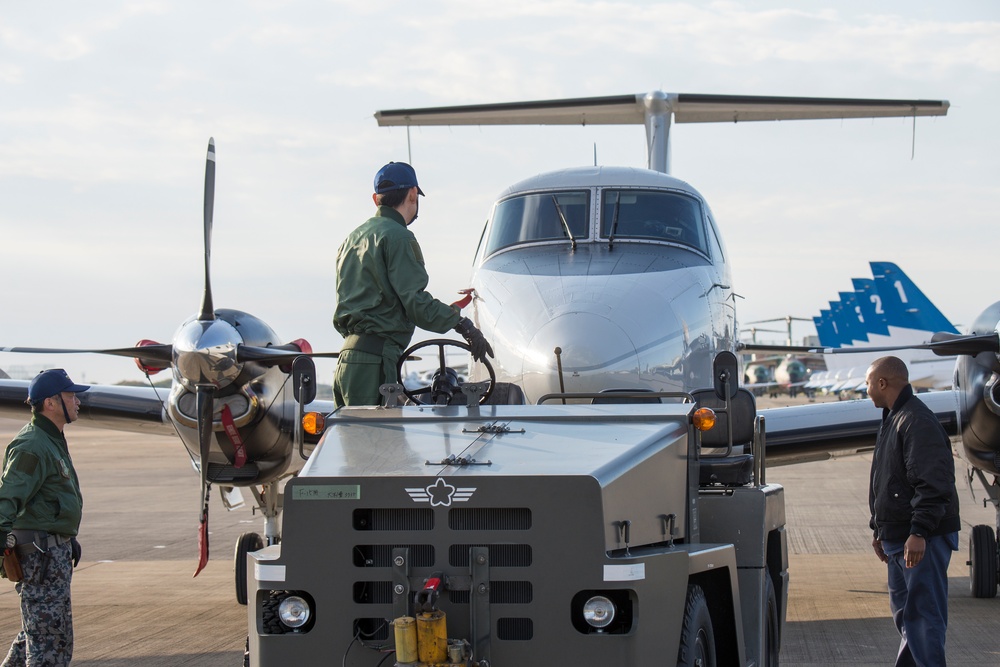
446	380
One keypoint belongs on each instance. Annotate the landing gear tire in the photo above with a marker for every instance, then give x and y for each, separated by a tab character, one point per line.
772	636
983	562
248	542
697	647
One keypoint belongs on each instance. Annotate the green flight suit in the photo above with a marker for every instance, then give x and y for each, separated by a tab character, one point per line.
381	298
39	489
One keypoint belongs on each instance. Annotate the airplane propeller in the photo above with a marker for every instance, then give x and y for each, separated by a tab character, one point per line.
205	403
207	356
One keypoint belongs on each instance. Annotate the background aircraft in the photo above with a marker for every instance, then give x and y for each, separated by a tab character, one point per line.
774	375
888	309
782	373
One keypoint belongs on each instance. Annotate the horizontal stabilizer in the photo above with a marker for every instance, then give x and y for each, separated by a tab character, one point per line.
686	108
615	110
744	108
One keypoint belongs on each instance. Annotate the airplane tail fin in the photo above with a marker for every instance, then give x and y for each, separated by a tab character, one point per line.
825	329
870	304
905	305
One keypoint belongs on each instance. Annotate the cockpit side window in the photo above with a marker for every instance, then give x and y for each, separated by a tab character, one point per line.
536	217
650	214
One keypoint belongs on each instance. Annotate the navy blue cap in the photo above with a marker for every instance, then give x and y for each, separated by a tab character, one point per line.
51	382
396	176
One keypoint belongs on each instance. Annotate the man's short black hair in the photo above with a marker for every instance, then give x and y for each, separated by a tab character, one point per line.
393	198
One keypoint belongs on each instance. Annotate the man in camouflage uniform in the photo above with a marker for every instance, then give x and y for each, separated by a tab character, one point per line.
381	297
41	507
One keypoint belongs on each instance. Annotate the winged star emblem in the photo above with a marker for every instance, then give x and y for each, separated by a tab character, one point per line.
440	493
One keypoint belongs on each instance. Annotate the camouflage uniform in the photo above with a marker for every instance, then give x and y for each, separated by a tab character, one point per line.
46	636
40	492
381	295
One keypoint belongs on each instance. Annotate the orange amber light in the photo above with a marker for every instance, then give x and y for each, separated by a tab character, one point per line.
313	423
703	419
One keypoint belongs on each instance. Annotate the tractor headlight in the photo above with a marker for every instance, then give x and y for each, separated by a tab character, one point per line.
599	611
294	611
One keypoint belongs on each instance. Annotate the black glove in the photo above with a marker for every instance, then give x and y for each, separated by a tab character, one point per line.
475	338
77	550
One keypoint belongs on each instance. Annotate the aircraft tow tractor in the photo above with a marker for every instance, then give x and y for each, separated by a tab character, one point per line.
586	529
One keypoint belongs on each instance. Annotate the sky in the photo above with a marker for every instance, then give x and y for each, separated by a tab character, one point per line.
106	108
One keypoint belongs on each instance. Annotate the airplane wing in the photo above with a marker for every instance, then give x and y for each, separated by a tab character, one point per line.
818	431
135	409
115	407
687	108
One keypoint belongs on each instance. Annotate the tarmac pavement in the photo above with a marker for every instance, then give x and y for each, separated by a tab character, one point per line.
135	601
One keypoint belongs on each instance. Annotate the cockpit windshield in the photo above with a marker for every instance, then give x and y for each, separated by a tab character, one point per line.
650	214
539	217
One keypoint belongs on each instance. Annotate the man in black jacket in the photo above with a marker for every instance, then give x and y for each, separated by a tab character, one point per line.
914	512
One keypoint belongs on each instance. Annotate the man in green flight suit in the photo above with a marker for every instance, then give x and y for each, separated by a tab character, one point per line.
381	297
40	511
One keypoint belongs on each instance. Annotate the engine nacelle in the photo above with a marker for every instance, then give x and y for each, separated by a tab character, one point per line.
978	378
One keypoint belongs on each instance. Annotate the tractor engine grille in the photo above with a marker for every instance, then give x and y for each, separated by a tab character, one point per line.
501	530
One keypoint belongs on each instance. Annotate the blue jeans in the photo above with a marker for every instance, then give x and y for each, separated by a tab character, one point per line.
918	598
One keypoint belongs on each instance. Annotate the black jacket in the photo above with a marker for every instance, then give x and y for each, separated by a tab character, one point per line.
912	489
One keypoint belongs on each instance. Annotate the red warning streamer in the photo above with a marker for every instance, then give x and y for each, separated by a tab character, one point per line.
239	449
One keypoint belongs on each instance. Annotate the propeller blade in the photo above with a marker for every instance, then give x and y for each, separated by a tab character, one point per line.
270	356
204	406
944	344
155	352
207	307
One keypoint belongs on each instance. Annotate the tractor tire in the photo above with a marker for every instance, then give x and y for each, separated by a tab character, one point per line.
697	647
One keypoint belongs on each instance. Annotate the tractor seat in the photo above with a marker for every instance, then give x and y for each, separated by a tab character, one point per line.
736	468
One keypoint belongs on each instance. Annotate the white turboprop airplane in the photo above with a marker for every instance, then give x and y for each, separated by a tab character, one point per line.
624	270
597	278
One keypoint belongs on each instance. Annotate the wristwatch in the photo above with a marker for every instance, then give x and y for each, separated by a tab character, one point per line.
11	541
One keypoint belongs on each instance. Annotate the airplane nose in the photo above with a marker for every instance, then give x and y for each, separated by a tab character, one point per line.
594	350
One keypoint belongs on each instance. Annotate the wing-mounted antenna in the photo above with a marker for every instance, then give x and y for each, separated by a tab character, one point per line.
657	110
207	308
